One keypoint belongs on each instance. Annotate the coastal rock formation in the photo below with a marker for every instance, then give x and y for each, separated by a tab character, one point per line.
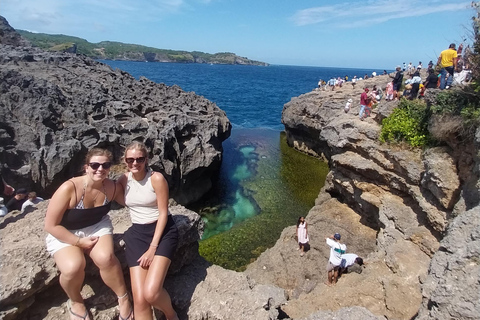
409	197
54	107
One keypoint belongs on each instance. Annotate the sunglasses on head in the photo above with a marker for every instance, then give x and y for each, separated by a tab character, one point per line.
132	160
96	165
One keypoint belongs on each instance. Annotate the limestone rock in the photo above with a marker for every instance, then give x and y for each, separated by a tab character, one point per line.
211	292
441	177
452	288
353	313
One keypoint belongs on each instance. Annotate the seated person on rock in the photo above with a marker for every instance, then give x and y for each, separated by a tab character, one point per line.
31	201
17	201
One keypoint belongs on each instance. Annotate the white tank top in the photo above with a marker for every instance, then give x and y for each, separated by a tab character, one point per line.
141	199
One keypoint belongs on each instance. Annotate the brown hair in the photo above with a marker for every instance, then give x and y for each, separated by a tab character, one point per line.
98	152
136	145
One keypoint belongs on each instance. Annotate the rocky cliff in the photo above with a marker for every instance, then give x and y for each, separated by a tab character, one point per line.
424	262
54	107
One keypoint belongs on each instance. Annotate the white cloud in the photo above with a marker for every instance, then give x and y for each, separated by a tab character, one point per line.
371	12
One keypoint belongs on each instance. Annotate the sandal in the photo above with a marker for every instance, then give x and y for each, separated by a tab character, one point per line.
69	307
130	314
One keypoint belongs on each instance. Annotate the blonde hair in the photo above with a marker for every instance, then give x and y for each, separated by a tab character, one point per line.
136	145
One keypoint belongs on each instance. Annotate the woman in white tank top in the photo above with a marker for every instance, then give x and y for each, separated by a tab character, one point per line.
152	239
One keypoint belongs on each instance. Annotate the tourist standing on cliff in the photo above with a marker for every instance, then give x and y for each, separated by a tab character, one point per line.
78	223
363	103
448	62
336	250
302	235
152	239
389	91
397	82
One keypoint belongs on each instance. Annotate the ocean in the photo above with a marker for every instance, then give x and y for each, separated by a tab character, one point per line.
263	185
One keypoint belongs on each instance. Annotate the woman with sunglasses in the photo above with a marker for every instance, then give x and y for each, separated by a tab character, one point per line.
78	224
152	239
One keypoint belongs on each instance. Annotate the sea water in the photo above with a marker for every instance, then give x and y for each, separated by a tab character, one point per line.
263	185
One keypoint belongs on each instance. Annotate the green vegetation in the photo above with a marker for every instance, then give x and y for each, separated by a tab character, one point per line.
408	122
111	50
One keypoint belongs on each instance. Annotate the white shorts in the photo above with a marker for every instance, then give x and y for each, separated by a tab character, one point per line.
99	229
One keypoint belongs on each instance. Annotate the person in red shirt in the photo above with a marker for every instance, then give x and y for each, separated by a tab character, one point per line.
363	103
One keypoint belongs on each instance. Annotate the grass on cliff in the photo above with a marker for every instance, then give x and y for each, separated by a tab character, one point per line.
454	113
408	123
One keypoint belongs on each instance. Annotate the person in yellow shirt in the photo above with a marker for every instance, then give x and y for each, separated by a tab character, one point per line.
448	62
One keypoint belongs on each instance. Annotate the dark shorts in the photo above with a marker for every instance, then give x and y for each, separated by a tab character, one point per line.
139	236
396	86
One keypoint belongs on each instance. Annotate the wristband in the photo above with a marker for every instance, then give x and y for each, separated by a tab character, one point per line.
151	245
78	241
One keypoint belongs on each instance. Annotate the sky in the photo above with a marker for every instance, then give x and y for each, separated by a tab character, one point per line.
377	34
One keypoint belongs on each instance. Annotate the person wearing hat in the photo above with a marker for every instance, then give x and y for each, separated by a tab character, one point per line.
348	105
448	63
16	202
337	249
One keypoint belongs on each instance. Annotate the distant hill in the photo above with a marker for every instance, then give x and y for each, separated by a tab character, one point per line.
111	50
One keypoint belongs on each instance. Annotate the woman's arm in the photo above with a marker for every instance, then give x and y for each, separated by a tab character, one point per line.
160	186
119	196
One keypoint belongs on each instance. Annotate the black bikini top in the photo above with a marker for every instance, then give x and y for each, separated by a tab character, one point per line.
81	217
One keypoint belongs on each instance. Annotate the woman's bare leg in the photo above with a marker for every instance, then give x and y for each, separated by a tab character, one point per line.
71	263
154	292
142	308
111	272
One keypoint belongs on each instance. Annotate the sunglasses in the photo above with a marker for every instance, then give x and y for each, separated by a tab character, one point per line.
96	165
132	160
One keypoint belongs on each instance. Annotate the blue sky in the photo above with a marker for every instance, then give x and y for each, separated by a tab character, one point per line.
376	34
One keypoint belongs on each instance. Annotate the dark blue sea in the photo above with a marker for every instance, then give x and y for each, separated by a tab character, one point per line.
252	96
263	185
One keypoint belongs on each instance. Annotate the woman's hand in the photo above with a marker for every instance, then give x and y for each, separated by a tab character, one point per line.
146	259
87	243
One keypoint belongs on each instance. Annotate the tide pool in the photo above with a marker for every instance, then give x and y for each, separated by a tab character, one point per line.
263	187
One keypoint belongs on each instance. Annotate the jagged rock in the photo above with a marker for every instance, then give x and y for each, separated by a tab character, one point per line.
9	36
452	288
441	177
56	106
204	291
